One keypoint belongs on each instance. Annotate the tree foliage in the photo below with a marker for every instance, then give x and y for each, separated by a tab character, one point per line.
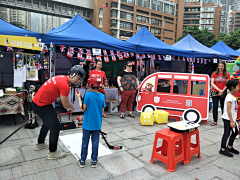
19	25
233	40
208	39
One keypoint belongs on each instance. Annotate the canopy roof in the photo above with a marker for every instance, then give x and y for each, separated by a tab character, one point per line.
146	42
238	50
78	32
189	43
10	29
222	47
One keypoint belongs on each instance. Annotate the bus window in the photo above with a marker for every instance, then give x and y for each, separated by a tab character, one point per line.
180	86
198	88
164	85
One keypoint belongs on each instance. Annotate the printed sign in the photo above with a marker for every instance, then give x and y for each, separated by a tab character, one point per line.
96	52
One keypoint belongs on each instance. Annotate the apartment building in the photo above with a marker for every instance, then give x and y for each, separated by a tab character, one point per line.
234	23
47	23
123	18
203	15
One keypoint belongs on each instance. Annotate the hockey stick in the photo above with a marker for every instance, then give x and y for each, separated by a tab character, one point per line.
17	129
104	135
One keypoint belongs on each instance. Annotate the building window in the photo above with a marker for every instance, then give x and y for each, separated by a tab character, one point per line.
113	23
106	4
143	12
128	1
186	21
114	13
195	22
155	30
142	19
114	32
208	27
207	15
143	3
157	5
208	9
168	30
101	12
129	8
140	26
168	18
156	22
168	38
156	15
125	34
100	24
126	15
169	22
126	25
207	21
113	4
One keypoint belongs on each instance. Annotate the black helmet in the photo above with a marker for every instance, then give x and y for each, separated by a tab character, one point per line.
77	70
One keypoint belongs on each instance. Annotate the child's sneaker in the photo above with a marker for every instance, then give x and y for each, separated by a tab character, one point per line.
39	147
233	150
81	164
225	153
94	164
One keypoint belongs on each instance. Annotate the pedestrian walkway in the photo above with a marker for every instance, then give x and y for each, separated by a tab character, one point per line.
19	160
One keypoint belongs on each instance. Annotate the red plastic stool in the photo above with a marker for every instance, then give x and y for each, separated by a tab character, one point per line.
188	145
168	148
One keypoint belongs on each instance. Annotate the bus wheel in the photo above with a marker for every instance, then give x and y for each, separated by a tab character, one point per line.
192	115
148	108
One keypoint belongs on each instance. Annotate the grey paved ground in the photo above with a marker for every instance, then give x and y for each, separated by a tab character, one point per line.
19	160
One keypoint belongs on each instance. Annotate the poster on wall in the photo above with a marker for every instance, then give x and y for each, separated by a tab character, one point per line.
63	64
168	58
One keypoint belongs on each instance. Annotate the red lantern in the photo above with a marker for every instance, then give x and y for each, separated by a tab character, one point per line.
104	6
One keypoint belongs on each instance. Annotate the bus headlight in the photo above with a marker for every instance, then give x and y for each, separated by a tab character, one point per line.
139	98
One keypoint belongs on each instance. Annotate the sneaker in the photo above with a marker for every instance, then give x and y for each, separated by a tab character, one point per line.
57	155
233	150
237	137
225	153
81	164
41	146
94	164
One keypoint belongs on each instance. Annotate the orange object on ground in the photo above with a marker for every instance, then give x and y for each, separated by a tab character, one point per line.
191	148
168	148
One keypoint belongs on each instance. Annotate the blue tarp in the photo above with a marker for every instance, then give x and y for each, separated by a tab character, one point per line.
146	42
201	51
222	47
9	29
78	32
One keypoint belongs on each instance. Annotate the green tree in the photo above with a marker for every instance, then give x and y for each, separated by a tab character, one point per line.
222	36
19	25
233	40
203	36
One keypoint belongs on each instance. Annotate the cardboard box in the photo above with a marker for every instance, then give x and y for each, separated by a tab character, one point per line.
10	91
112	105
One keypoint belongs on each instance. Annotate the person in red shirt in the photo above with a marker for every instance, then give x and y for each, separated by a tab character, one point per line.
102	73
218	82
58	86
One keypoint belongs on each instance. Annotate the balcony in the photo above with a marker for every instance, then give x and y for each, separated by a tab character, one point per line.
191	16
192	11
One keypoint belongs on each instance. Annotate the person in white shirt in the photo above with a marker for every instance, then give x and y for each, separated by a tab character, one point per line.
229	120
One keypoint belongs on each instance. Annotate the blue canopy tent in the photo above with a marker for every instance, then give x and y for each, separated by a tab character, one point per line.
146	42
222	47
238	50
199	50
78	32
10	29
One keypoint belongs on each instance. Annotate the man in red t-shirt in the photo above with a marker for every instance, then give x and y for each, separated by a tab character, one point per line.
55	87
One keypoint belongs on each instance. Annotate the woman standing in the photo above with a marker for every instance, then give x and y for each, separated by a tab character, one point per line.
218	82
128	84
102	73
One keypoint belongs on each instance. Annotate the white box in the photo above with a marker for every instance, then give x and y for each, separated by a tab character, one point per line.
113	105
